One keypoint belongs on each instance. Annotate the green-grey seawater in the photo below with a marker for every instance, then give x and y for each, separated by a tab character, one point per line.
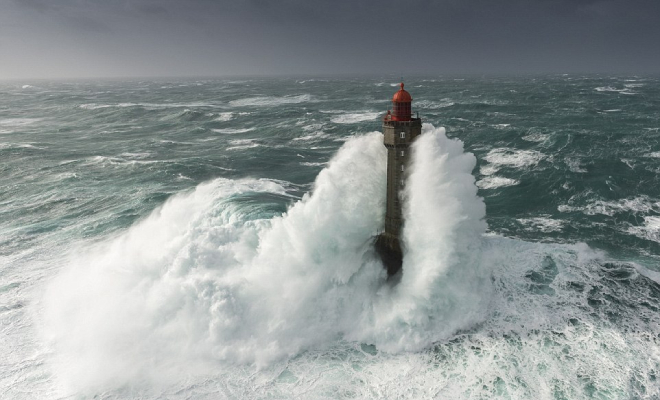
192	239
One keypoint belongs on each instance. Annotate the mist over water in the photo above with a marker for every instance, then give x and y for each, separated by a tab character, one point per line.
202	239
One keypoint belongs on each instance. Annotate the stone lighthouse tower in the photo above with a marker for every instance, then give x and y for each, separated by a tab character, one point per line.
400	129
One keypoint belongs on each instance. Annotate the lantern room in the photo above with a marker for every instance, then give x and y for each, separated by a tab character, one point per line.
401	105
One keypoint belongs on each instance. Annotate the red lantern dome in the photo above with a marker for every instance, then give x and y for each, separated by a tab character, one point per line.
402	96
401	105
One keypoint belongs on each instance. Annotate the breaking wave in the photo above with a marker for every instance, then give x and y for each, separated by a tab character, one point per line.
264	101
208	278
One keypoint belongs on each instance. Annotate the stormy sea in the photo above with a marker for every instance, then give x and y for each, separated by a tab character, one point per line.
212	239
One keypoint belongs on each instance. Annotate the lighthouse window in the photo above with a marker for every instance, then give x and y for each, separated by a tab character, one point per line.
403	135
403	153
402	168
401	182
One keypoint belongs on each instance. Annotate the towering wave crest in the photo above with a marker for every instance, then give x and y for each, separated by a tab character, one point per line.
208	280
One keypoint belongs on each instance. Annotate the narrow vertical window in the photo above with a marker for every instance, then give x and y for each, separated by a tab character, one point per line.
403	135
403	153
401	167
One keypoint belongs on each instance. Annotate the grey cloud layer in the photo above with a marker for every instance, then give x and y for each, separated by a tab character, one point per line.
85	38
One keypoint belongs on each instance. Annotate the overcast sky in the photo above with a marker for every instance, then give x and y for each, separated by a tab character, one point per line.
120	38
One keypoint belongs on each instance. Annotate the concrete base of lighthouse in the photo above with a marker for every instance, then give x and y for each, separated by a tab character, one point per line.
388	248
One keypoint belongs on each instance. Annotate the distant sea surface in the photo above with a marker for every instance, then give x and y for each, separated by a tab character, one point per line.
213	239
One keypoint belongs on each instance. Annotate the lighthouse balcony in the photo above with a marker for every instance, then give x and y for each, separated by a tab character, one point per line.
393	123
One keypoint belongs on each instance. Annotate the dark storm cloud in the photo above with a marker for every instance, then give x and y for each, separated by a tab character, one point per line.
218	37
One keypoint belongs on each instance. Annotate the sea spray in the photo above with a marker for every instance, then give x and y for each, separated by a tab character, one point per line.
200	280
202	283
444	286
313	271
139	306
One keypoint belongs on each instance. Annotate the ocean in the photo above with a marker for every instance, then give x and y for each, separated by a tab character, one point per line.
213	238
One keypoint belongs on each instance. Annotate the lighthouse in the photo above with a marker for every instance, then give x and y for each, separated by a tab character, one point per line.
400	129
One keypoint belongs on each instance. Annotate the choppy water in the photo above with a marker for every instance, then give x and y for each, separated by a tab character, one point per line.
211	239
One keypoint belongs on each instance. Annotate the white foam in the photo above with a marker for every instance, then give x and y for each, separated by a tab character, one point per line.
607	89
18	122
487	169
542	224
225	116
19	146
138	156
641	204
649	231
513	157
626	90
433	105
127	159
334	111
535	137
312	136
353	118
149	106
574	165
231	131
242	144
494	182
312	127
269	101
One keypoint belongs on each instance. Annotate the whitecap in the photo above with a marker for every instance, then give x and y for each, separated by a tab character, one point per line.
542	224
612	89
649	231
427	104
269	101
20	146
574	165
355	118
312	127
488	169
18	122
513	157
313	136
635	205
494	182
231	131
226	116
535	137
242	144
138	156
148	106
